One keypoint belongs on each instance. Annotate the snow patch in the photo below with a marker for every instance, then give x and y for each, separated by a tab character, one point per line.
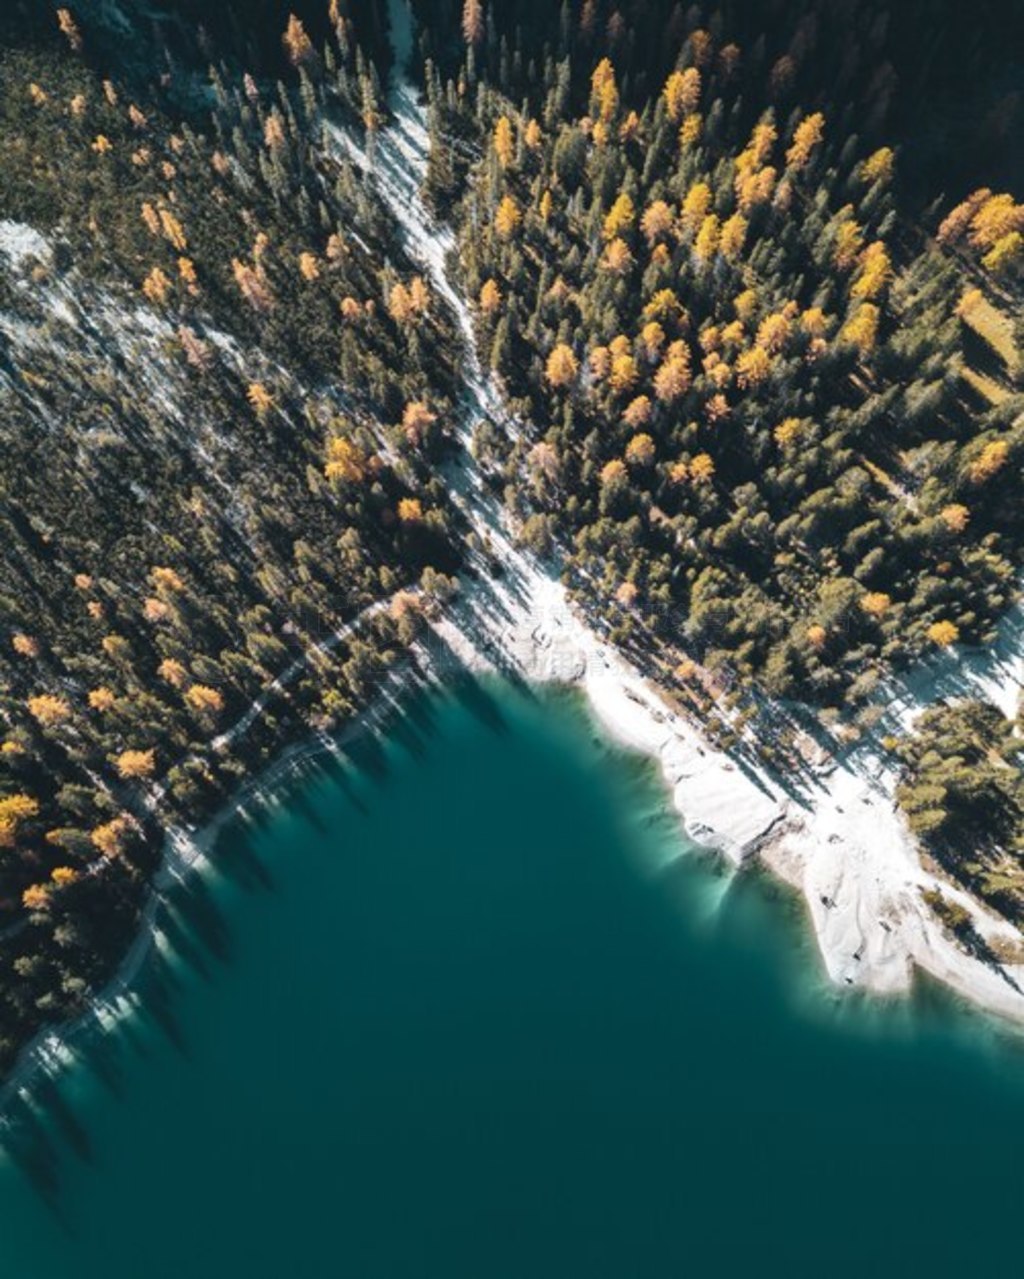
23	244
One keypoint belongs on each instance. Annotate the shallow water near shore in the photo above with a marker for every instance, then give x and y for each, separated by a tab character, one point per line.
463	1002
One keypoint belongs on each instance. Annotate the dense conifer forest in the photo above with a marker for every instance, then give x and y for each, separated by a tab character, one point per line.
214	463
964	797
759	337
775	421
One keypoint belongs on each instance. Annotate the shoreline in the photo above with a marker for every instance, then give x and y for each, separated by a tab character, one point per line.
183	853
737	814
841	842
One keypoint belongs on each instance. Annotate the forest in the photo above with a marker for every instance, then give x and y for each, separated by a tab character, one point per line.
759	341
214	465
775	423
963	793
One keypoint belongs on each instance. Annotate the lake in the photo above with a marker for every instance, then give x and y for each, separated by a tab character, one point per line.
463	1003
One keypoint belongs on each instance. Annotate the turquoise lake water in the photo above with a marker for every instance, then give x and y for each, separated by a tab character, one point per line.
466	1006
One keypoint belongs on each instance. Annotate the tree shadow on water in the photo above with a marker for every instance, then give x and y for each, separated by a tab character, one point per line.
64	1119
30	1146
204	919
367	756
238	861
158	1009
339	776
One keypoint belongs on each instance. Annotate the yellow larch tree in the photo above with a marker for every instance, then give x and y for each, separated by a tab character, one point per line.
861	329
410	510
873	273
187	272
617	257
346	463
274	136
490	297
473	21
419	296
878	167
990	460
733	237
172	671
691	129
955	224
657	221
151	218
110	838
640	451
787	431
134	765
849	241
1007	251
36	897
773	332
674	376
956	517
638	412
259	398
297	43
806	138
624	372
156	286
252	285
651	340
603	91
69	29
702	468
507	218
400	306
696	206
706	244
753	366
48	709
25	645
417	419
173	231
682	93
997	216
166	581
205	702
875	603
15	809
943	633
562	366
619	218
504	141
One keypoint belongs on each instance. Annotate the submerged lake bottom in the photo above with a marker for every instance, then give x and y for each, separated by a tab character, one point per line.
464	1003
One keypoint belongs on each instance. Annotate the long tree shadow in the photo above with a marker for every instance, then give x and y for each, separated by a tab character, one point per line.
30	1146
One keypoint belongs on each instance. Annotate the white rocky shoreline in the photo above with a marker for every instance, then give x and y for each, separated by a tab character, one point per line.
842	842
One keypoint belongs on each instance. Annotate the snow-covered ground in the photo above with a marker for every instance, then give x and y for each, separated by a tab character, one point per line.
837	837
